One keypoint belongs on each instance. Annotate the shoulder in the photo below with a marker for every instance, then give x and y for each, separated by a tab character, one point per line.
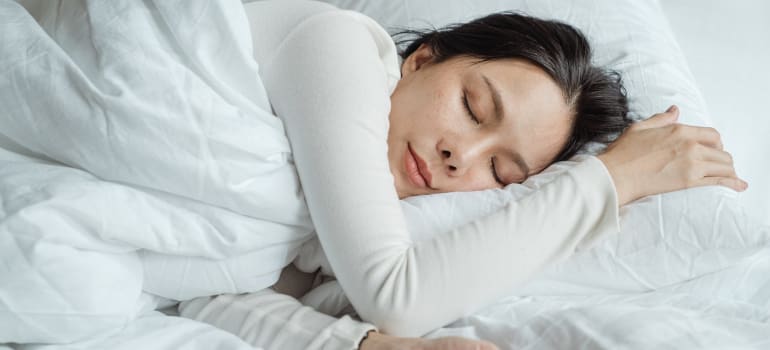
343	29
272	22
280	18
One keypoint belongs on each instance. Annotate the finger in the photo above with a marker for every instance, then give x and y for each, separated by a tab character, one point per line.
716	155
673	110
729	182
719	174
704	135
668	117
708	136
714	169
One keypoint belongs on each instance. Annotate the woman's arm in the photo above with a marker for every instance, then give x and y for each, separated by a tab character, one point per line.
270	320
328	84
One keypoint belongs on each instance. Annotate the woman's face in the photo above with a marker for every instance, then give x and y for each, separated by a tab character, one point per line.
464	125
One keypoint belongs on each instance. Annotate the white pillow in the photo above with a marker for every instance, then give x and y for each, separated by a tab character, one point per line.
665	239
629	36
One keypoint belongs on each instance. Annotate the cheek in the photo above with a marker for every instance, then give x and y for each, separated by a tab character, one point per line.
427	121
441	114
412	102
402	112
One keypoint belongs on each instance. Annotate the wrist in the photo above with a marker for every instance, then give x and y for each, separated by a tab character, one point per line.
370	340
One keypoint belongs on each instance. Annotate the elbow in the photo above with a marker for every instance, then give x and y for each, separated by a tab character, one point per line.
397	302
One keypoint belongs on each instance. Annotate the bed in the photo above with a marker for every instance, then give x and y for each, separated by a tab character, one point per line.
691	269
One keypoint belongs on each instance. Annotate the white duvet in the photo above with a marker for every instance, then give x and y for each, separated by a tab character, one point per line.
139	157
146	160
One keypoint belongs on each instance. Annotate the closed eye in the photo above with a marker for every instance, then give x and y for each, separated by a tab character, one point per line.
494	171
478	122
468	109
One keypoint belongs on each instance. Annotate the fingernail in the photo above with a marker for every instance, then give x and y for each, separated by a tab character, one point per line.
671	109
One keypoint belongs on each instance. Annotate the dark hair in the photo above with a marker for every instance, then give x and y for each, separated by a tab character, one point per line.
596	96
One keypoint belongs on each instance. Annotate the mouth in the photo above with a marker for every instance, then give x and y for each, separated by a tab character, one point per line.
416	168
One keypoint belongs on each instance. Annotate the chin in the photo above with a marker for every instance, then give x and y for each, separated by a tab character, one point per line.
411	193
404	191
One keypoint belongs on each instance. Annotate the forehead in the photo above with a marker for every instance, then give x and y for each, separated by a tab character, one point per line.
518	75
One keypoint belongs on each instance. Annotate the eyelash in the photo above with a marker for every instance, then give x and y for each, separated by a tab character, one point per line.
476	120
468	109
494	172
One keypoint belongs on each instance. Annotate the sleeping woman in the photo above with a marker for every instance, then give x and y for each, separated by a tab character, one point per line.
475	106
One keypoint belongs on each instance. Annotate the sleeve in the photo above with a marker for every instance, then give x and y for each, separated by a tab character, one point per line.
329	85
271	320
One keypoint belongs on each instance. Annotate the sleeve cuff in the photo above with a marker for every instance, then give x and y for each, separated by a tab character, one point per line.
348	334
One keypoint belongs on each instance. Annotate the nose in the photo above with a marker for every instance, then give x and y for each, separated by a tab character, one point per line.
446	155
458	155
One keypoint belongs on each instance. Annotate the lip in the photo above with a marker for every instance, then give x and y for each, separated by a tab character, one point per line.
416	168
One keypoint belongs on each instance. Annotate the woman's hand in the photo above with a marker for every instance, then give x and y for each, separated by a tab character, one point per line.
659	155
379	341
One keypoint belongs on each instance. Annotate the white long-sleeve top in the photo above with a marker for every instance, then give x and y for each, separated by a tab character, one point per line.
329	74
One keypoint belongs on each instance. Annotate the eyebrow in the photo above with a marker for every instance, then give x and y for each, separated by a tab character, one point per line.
497	100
